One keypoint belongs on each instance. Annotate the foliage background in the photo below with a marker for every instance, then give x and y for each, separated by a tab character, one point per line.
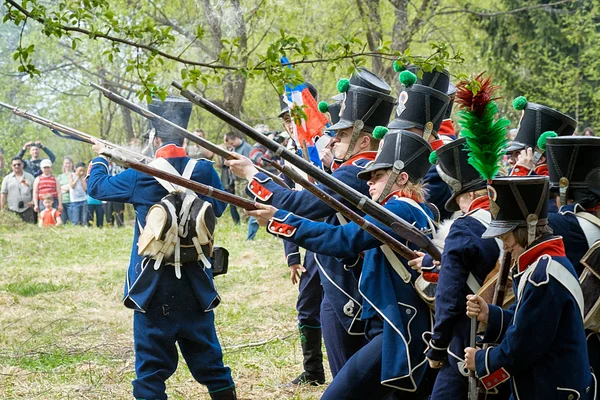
545	50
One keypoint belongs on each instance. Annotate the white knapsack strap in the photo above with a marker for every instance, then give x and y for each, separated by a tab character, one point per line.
341	218
165	166
396	264
590	225
189	169
184	213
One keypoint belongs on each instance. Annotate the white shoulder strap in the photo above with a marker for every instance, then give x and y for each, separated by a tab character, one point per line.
189	169
418	207
341	218
562	275
164	165
590	225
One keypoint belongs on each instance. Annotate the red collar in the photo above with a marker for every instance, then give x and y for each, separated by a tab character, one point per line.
482	202
553	247
541	170
366	155
446	128
399	193
170	150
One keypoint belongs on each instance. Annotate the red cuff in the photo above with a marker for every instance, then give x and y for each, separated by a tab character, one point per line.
431	277
281	229
259	190
520	170
495	378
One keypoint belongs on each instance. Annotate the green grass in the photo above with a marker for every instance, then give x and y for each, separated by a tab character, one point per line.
65	334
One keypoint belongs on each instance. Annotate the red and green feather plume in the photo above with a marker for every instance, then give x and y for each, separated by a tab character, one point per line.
485	138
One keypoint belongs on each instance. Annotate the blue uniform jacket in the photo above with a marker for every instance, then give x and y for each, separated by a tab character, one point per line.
385	294
464	252
565	224
340	286
542	348
438	192
143	191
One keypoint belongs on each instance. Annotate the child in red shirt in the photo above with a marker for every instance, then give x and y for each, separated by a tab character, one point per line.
49	216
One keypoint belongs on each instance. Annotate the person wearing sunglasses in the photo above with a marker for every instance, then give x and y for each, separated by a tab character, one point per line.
16	191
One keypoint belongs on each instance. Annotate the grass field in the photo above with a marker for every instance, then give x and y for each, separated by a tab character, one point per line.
65	334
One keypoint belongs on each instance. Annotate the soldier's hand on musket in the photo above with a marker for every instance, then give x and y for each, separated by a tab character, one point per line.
242	167
98	147
470	358
295	272
263	213
435	364
477	307
526	158
417	263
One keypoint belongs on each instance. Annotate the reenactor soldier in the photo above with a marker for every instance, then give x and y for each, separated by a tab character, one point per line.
169	309
310	292
548	303
526	156
574	169
394	314
467	260
421	109
367	103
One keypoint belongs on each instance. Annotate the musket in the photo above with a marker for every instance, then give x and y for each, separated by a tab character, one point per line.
73	133
194	186
347	212
118	155
473	384
360	201
497	300
112	96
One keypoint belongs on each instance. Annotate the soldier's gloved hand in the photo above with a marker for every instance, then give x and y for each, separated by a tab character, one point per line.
295	272
263	213
477	307
242	167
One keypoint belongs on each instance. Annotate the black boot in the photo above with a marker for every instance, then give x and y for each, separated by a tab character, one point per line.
310	339
227	394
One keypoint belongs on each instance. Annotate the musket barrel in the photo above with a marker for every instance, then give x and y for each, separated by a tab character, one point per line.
334	203
194	186
85	137
363	203
114	97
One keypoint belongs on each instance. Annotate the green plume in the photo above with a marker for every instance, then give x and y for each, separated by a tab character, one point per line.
323	106
486	139
407	78
433	158
398	67
520	103
379	132
343	85
541	143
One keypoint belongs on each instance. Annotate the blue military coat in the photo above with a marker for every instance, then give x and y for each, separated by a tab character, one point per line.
340	286
542	346
385	294
143	191
438	192
465	252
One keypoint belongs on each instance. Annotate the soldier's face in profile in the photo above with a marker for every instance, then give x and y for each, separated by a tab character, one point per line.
510	245
377	182
341	142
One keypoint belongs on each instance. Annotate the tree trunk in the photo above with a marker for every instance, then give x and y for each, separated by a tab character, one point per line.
369	10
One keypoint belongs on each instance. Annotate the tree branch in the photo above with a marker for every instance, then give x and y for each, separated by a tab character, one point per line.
513	11
211	65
